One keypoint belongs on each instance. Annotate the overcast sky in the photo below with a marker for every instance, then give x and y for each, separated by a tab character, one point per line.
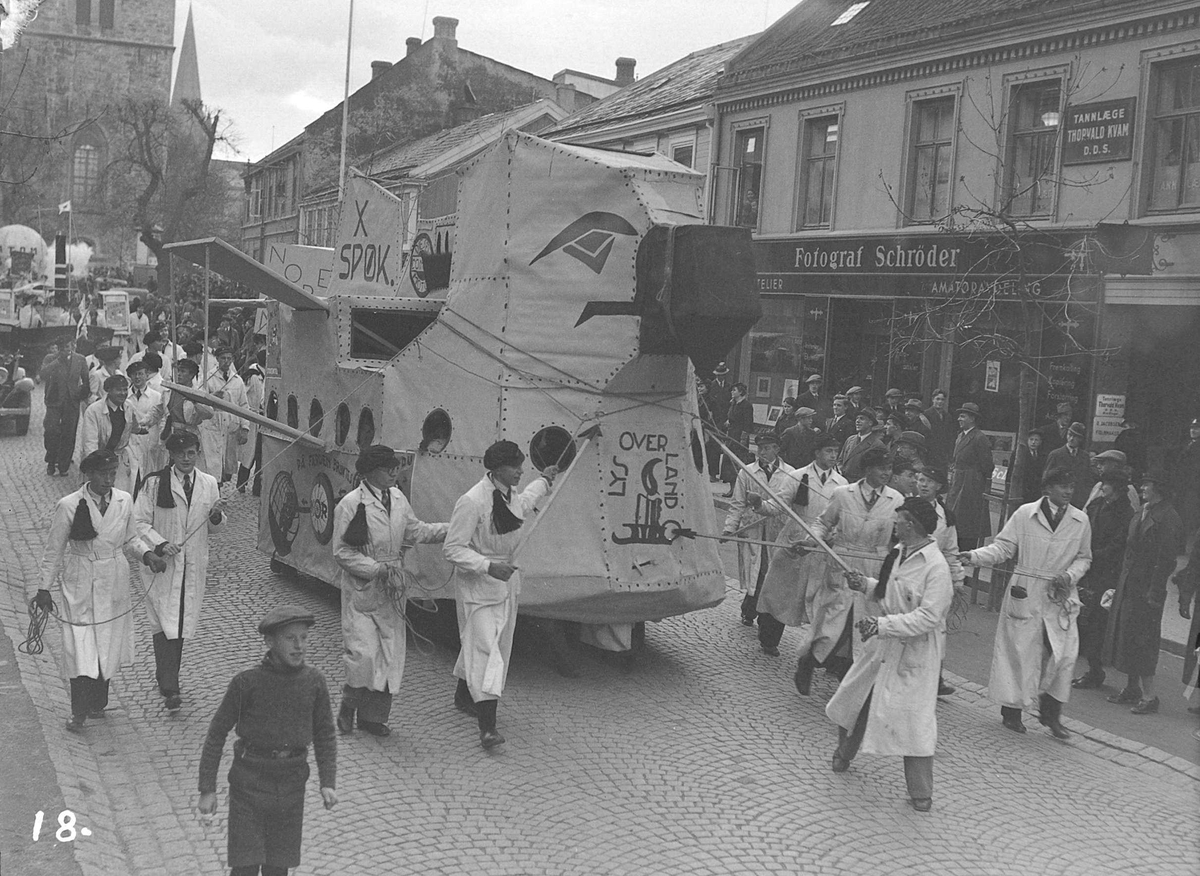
274	65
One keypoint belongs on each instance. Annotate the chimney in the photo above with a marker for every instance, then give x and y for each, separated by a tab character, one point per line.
444	28
412	44
564	96
625	70
378	68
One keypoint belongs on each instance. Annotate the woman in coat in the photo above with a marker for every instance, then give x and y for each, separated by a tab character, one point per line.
1188	581
485	529
92	538
1135	620
373	525
971	479
887	702
1109	514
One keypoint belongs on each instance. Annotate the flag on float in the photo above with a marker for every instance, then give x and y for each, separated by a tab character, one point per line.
64	207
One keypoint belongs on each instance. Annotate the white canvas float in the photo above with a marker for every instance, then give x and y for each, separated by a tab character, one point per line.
584	291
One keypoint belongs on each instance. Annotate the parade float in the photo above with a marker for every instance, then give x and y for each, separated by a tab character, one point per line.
584	292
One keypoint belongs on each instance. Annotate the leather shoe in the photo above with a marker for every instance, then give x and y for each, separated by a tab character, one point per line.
345	720
490	739
75	724
804	673
375	728
1129	695
769	649
840	764
1014	724
1088	681
1057	730
174	703
747	621
944	690
50	469
921	804
1146	707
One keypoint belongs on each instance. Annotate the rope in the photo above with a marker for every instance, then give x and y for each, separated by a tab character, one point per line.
39	619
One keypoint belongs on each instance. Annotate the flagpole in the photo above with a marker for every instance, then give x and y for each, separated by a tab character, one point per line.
346	106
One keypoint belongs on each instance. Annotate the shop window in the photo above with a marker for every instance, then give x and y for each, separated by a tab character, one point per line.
552	445
930	159
106	14
817	171
83	12
435	431
1035	110
273	406
293	412
342	425
316	417
748	158
1175	137
366	429
381	334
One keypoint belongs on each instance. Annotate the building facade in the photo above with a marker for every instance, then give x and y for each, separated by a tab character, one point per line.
1029	161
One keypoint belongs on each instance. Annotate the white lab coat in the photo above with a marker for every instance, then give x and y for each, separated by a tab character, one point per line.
792	582
255	390
373	630
95	583
782	486
186	572
848	524
218	432
487	606
95	428
1018	674
899	668
146	452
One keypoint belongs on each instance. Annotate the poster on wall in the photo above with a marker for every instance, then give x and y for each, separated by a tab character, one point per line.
991	380
116	312
791	388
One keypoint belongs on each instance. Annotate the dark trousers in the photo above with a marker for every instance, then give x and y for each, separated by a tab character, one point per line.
266	811
59	434
244	473
88	695
168	654
1093	623
770	631
918	771
372	705
750	600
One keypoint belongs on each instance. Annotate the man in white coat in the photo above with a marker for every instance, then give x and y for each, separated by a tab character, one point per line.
1037	639
221	434
92	538
792	580
148	411
108	424
175	510
858	521
758	514
373	525
250	453
887	703
485	529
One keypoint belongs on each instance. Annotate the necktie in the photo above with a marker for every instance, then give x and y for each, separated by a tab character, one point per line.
870	500
117	418
187	488
386	498
103	505
823	476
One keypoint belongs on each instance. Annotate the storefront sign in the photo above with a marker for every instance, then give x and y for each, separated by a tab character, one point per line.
1110	405
1106	428
1100	131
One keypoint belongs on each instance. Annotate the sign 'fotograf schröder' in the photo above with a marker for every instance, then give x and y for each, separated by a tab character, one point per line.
1100	131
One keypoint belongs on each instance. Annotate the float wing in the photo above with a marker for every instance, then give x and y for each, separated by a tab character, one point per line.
263	422
219	256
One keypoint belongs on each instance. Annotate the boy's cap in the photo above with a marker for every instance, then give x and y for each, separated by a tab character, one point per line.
282	616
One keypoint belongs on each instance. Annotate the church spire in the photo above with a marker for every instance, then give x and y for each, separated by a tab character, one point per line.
187	74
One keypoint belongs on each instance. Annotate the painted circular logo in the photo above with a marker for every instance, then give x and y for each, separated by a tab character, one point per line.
422	248
283	513
322	508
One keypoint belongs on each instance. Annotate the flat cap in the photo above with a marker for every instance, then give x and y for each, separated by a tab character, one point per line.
854	389
1077	430
894	393
805	412
814	377
916	439
98	460
376	456
282	615
867	414
914	404
824	439
1115	455
181	440
107	354
766	436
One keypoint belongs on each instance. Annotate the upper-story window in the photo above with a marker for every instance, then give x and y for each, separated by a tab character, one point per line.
107	11
83	12
748	158
1035	110
817	171
931	153
1175	137
87	161
254	197
684	154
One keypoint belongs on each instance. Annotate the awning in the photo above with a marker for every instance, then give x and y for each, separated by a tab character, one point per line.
237	266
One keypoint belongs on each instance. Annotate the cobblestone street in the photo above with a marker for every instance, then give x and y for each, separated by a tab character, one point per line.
702	760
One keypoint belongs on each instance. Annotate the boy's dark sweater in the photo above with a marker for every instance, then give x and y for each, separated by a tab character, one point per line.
273	707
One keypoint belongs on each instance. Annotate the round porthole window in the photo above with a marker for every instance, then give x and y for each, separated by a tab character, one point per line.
366	429
293	412
342	426
551	446
316	417
435	431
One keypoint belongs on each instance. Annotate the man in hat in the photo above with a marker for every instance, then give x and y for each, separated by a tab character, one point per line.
148	413
1055	434
92	538
1037	638
793	580
858	521
156	342
910	446
372	526
175	511
1112	462
841	424
139	327
223	433
250	453
107	424
854	400
1073	457
110	362
812	398
719	395
856	446
758	496
942	429
739	426
1131	642
796	444
1031	458
972	479
931	486
887	703
894	402
915	419
66	390
1132	443
278	709
485	529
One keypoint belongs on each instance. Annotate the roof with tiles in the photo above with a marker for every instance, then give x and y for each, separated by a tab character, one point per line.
689	80
807	37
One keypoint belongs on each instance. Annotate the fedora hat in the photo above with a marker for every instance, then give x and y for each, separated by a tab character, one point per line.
970	408
721	369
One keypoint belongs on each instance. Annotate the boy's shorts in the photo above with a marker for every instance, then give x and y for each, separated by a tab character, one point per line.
266	810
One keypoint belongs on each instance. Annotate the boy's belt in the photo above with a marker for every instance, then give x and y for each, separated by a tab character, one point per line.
270	753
